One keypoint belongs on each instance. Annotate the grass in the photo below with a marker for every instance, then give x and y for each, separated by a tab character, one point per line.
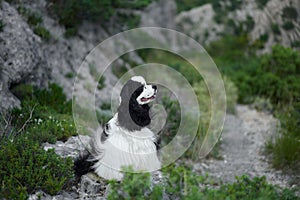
182	183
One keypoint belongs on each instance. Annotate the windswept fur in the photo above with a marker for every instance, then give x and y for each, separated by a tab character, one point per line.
125	139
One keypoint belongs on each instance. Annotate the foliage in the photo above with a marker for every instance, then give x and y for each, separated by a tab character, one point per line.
275	29
172	108
275	77
69	75
288	25
26	168
261	3
183	5
290	12
45	115
119	71
175	61
42	32
134	186
181	183
286	146
105	113
101	83
1	25
35	21
72	13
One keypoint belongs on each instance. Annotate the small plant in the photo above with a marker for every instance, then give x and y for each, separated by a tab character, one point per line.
101	83
1	25
134	186
261	3
289	25
181	183
290	13
70	32
69	75
104	116
71	14
42	32
275	28
35	20
119	71
26	168
295	44
105	106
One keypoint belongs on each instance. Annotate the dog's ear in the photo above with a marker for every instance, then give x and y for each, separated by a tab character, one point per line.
128	89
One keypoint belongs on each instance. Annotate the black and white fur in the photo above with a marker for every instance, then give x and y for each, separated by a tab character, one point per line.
126	140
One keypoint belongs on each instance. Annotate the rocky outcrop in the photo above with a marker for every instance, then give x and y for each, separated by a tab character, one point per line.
21	56
268	23
199	24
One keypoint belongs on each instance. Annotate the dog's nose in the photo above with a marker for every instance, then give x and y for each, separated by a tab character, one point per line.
154	87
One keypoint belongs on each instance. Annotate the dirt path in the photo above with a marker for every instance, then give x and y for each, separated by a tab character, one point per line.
243	140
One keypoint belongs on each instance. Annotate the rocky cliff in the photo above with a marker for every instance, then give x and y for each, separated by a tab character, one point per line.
27	57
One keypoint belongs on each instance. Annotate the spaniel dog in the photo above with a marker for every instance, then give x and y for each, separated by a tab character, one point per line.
126	139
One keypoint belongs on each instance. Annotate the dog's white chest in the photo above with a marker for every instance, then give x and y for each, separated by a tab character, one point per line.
124	148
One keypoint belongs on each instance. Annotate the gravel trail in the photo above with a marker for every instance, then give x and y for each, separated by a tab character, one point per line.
243	140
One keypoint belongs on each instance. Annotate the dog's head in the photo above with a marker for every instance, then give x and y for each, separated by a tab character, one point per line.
136	94
136	89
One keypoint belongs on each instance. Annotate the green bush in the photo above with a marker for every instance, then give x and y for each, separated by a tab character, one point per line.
181	183
26	168
290	13
101	83
134	186
42	32
289	25
69	75
119	71
286	146
1	25
261	3
72	13
45	114
56	127
275	77
35	20
275	29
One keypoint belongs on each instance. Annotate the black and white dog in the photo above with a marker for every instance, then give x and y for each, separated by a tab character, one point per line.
126	139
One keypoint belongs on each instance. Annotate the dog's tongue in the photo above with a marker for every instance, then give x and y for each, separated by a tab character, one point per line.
146	99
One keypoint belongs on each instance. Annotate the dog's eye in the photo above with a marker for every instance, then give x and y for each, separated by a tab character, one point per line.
145	87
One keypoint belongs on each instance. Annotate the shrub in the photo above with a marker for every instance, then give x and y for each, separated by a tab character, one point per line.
295	44
261	3
56	127
286	146
134	186
73	13
275	29
42	32
290	13
181	183
69	75
44	114
35	20
119	71
288	25
1	25
26	168
172	108
101	83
